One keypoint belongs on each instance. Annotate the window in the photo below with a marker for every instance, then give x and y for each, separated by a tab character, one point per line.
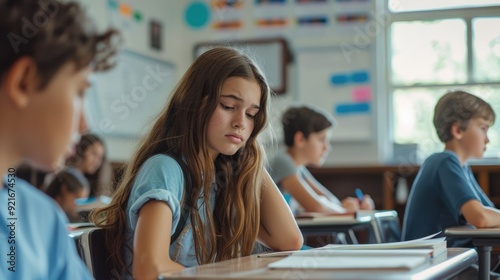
422	5
432	52
486	49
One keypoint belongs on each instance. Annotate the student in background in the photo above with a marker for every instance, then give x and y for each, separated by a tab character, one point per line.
88	158
445	192
67	186
46	54
210	127
307	132
32	175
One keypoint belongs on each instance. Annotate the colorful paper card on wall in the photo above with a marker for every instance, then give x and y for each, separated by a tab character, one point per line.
356	77
361	94
125	10
271	22
234	24
343	109
225	4
227	14
339	79
269	2
312	21
359	77
311	1
352	18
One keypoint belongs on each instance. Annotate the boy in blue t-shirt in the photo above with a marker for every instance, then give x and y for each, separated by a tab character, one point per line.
47	51
445	193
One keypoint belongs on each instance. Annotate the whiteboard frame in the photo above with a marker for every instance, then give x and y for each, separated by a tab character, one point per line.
278	86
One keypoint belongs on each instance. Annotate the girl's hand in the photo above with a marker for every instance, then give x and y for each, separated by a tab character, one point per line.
351	204
367	203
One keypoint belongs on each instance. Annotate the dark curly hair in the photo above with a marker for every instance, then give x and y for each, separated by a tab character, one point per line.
52	33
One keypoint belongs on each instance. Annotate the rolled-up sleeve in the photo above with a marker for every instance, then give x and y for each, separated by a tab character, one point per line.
160	178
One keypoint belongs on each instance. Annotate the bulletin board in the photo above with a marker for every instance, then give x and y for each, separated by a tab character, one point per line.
125	100
339	82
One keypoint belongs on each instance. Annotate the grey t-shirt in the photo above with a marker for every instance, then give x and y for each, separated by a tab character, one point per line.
282	166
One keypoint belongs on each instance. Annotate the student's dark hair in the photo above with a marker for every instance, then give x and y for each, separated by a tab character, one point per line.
305	119
71	178
52	33
181	128
86	141
459	107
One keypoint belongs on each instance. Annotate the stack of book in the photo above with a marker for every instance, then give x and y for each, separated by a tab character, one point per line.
404	255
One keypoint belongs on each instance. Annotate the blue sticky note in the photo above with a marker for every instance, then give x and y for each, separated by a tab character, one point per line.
359	77
352	108
339	79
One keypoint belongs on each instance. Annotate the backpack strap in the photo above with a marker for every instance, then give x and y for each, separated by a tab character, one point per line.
185	202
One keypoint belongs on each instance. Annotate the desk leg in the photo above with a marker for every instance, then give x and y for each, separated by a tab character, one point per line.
484	254
352	236
376	227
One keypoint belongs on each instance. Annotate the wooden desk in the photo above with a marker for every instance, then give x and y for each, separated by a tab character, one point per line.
335	224
483	239
252	267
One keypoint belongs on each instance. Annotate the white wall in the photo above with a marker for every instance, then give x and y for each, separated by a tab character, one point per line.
178	43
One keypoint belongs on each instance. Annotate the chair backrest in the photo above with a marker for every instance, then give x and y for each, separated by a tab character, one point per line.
95	253
388	226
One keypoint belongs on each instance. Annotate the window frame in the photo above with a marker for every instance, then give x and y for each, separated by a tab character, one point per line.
467	15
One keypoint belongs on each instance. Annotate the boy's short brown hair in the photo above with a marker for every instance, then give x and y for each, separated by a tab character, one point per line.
52	33
305	119
459	107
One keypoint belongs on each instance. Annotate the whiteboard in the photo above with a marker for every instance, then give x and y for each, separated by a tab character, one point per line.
126	100
316	67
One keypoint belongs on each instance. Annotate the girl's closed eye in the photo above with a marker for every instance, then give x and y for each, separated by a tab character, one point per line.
250	116
226	107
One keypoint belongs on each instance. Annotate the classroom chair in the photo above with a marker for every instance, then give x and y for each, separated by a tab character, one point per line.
95	253
388	226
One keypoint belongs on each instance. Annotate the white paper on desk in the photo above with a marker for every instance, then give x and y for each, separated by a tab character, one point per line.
437	245
365	253
349	262
277	254
390	245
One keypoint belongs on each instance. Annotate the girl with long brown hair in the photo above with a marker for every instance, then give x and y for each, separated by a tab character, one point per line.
202	153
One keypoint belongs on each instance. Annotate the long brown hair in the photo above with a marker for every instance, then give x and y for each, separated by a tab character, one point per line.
182	128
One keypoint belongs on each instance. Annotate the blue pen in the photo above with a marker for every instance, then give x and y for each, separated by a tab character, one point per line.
359	194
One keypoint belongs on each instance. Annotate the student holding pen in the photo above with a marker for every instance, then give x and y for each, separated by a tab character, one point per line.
307	132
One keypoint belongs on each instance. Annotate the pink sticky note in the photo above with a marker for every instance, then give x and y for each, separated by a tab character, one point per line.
362	94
